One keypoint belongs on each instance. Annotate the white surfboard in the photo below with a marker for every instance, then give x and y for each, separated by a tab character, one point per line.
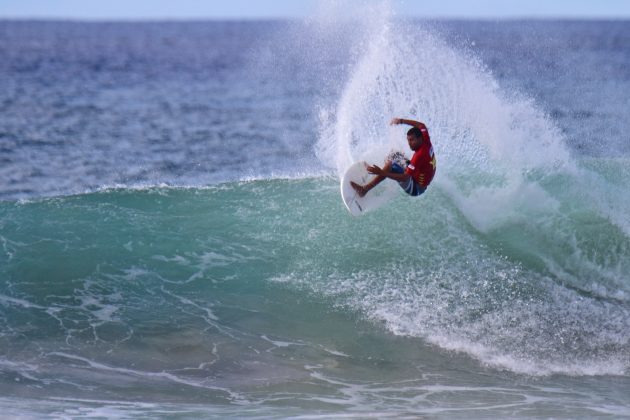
375	198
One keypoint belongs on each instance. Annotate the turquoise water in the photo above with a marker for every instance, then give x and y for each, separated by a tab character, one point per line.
265	296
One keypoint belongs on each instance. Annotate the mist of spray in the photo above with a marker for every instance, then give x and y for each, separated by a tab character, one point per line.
504	165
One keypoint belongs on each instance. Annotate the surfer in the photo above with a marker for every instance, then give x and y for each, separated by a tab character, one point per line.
413	176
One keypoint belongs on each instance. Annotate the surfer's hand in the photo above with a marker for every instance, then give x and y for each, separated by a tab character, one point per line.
373	169
395	121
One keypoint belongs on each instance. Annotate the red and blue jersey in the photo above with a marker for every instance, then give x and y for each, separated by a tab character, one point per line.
422	165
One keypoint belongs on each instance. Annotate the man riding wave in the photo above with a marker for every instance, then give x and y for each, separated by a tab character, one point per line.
413	176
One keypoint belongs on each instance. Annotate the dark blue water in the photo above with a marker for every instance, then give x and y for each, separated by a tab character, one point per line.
173	243
87	105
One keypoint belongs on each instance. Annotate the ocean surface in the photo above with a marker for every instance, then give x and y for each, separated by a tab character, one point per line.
173	243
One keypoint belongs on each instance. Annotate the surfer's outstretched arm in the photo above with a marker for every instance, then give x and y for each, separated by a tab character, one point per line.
417	124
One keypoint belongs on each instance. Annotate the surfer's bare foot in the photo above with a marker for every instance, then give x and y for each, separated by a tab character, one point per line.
360	189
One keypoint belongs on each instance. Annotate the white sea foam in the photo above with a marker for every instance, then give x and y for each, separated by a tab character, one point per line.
7	300
499	158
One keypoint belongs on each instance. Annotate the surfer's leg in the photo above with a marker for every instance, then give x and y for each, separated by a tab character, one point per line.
410	186
360	189
364	189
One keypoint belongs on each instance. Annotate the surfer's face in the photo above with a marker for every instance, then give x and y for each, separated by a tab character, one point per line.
414	142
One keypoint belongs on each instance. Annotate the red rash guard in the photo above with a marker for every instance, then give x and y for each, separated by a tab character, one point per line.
422	165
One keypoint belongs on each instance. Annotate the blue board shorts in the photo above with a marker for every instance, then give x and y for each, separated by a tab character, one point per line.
410	186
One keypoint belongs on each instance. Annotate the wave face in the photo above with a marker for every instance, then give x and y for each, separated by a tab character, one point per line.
105	273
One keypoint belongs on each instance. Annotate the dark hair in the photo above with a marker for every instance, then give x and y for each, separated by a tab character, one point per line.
415	131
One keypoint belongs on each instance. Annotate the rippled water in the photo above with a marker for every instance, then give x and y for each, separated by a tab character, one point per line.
173	242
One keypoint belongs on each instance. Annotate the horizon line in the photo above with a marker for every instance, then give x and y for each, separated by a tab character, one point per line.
155	19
